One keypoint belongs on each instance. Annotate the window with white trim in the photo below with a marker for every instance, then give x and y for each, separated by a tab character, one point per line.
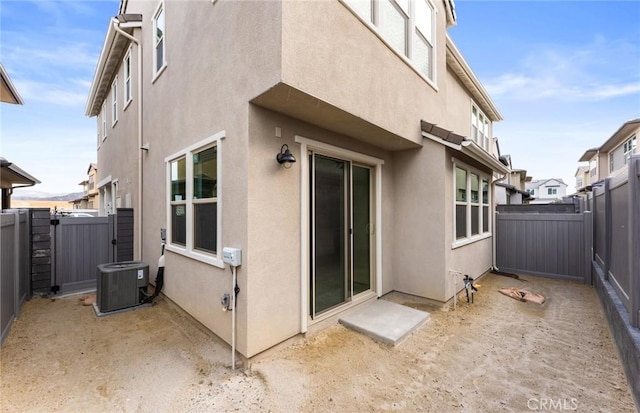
472	205
406	25
479	128
629	148
128	97
552	191
593	167
103	116
114	101
194	200
159	60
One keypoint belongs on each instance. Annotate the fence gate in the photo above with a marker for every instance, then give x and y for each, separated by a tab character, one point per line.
79	245
550	245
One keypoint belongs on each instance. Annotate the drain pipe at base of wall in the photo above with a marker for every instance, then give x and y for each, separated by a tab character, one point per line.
116	27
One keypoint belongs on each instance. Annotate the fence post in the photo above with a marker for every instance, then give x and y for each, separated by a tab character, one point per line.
16	263
607	228
634	239
587	227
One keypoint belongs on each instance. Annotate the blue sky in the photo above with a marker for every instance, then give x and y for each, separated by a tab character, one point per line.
565	76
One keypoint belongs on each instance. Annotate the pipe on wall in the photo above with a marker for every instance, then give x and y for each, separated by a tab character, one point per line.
116	27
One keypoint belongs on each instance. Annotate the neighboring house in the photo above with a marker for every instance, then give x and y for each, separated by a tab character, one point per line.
11	175
510	190
582	178
546	191
613	154
90	198
391	131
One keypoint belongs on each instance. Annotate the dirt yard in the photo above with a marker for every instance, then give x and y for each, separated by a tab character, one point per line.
495	355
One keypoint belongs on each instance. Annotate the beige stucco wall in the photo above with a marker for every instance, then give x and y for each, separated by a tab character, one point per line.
218	60
341	61
212	53
274	224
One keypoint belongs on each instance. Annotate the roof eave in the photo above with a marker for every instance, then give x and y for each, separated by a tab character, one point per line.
619	135
588	154
11	89
462	69
104	71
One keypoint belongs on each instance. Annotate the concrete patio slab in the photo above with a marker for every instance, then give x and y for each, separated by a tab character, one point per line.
385	321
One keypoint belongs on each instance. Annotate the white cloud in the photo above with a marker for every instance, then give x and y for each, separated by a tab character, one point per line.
67	94
571	74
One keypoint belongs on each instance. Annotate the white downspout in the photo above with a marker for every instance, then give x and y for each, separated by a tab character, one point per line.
116	26
493	223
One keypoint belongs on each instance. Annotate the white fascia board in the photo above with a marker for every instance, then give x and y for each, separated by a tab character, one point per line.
12	89
100	76
474	151
99	73
480	93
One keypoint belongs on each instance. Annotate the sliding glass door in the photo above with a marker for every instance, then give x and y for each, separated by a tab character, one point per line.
341	231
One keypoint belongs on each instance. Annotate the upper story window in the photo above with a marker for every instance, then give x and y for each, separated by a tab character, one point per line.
629	148
479	128
159	60
406	25
114	101
194	203
103	117
579	182
472	204
127	79
593	167
552	191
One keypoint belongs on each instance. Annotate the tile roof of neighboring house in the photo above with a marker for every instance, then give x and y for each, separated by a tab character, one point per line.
613	141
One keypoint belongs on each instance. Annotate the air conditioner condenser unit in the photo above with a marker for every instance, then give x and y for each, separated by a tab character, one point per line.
121	285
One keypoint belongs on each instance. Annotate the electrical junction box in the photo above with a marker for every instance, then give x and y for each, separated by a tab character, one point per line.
232	256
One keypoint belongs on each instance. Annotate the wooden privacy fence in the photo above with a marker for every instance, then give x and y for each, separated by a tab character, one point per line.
550	245
615	203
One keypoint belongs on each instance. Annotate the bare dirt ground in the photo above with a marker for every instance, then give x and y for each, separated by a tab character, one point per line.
495	355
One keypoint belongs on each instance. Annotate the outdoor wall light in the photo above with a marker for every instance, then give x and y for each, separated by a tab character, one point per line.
285	156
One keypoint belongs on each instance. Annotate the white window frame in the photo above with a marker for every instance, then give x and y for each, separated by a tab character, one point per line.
128	93
157	71
552	191
189	250
480	127
373	22
104	120
114	101
629	148
482	176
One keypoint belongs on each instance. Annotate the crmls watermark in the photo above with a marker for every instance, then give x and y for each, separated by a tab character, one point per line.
550	404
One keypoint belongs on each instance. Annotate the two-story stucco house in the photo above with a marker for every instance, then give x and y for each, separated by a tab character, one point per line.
612	155
198	102
90	198
546	191
511	189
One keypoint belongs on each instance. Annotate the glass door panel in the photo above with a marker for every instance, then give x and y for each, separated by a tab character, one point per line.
362	229
330	279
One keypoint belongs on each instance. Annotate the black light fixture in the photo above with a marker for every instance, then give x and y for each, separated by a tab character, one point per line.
285	156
